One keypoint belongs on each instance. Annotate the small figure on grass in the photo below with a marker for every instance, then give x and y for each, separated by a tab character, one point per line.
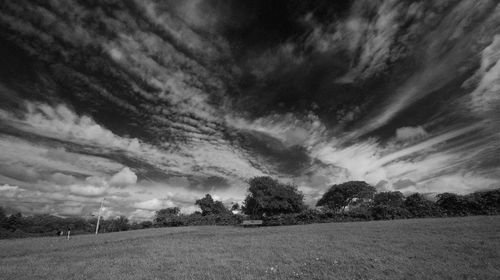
69	233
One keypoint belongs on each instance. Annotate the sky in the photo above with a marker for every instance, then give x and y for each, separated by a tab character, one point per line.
153	104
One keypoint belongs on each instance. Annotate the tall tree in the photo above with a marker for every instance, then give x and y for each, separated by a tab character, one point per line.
208	206
167	216
270	197
338	197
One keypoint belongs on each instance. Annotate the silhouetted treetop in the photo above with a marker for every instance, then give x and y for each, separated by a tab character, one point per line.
270	197
338	197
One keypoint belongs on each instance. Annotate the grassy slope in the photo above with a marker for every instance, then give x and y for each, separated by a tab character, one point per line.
455	248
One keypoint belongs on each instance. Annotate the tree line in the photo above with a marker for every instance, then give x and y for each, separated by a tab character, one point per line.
275	203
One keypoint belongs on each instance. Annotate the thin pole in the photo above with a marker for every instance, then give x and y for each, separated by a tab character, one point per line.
99	217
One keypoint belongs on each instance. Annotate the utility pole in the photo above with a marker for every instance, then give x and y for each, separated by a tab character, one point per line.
99	217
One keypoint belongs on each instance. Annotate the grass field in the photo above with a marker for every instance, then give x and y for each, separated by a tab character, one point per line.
454	248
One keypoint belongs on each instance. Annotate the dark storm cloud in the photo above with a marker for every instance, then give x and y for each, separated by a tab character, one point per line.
167	100
288	160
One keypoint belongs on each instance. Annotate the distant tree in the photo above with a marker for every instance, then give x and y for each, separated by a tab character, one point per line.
419	206
219	208
141	225
15	221
389	205
146	224
452	204
210	207
3	218
393	199
338	197
168	217
488	200
168	211
118	224
235	207
461	205
385	212
270	197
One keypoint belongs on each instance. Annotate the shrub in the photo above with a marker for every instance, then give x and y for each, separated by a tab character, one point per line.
362	212
386	212
393	199
309	216
488	200
281	220
418	206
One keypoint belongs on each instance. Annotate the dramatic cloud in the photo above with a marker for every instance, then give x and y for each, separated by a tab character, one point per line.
124	177
152	104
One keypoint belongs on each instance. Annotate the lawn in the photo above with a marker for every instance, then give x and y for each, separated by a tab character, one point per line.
453	248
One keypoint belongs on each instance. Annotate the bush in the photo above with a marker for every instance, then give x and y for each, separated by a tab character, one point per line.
386	212
478	203
489	201
281	220
362	213
309	216
393	199
420	207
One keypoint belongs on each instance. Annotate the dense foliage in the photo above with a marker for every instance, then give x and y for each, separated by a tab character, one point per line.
268	197
338	197
277	204
17	225
210	207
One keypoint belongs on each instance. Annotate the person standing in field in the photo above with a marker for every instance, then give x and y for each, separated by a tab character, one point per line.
69	232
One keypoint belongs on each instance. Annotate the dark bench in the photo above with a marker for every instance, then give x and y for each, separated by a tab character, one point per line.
252	223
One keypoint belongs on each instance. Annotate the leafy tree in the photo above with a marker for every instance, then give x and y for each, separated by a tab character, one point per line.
270	197
210	207
3	218
219	208
393	199
489	201
168	211
146	224
338	197
389	205
451	203
168	217
15	221
387	212
454	204
118	224
419	206
235	207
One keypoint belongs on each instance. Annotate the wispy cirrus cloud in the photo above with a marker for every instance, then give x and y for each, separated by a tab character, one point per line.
155	103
